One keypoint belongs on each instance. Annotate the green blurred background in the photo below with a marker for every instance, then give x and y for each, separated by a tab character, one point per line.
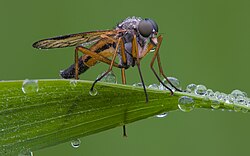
206	42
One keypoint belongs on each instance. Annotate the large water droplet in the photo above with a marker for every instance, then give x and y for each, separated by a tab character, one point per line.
110	77
30	86
162	115
93	92
153	86
173	80
200	90
25	152
186	104
190	88
76	143
237	93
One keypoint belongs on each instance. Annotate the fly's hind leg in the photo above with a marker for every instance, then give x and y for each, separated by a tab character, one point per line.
111	64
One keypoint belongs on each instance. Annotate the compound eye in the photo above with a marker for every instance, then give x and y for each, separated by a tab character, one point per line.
145	28
155	26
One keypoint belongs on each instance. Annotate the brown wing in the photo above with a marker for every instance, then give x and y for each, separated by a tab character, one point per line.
73	39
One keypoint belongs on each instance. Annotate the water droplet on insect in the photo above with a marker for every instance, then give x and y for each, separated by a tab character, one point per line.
215	104
76	143
73	83
186	104
173	80
162	115
93	92
200	90
190	88
110	77
137	84
30	86
152	50
153	86
25	152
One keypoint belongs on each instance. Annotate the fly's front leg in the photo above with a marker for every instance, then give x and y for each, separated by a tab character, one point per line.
135	55
156	55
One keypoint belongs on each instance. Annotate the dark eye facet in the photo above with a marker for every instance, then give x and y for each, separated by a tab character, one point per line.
145	28
155	26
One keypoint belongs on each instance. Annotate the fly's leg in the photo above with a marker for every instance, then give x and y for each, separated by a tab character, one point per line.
111	64
124	61
156	55
135	55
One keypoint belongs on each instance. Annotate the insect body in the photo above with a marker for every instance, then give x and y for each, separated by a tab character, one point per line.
131	40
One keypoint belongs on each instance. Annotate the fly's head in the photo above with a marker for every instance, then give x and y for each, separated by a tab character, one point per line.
148	28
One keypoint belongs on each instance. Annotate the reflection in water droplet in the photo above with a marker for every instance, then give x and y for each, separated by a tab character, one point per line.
190	88
25	152
76	143
30	86
162	115
200	90
93	92
215	104
173	80
186	104
153	86
240	100
110	77
73	83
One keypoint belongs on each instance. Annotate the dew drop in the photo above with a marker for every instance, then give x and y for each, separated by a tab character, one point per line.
110	77
137	84
25	152
30	86
240	100
230	99
200	90
76	143
162	115
210	94
173	80
237	93
186	104
215	104
190	88
153	86
73	83
93	92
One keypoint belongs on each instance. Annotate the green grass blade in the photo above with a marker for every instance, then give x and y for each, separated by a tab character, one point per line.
61	111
